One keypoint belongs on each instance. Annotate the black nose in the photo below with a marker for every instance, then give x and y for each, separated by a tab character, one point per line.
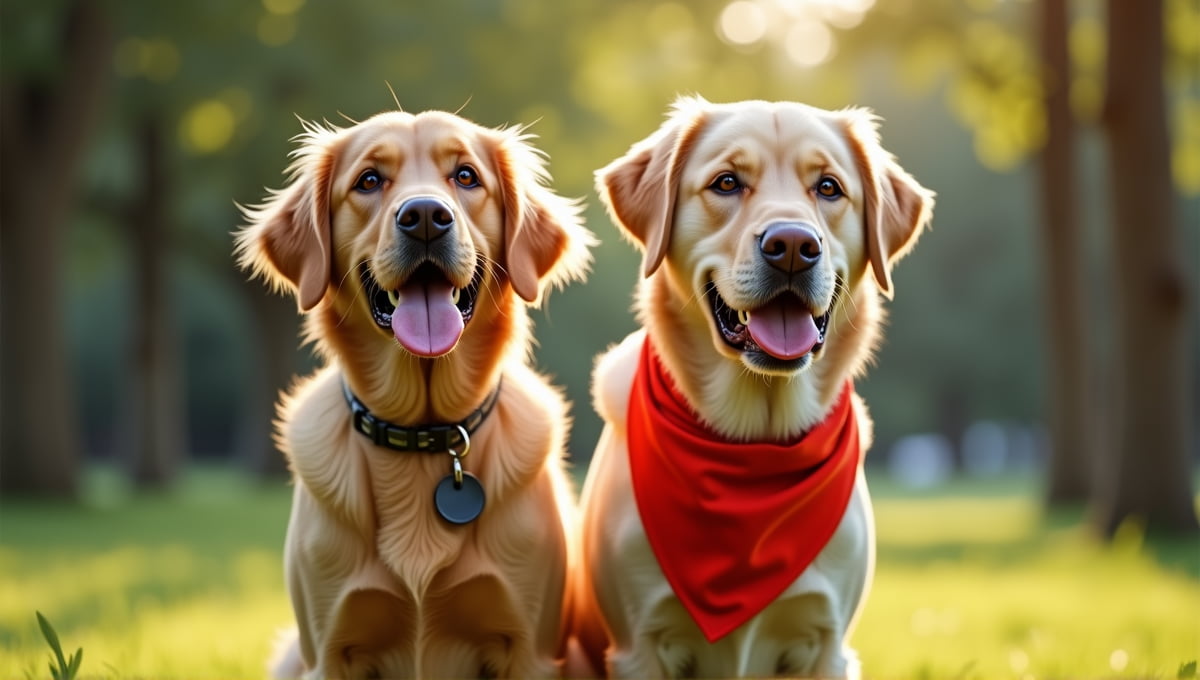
424	218
790	247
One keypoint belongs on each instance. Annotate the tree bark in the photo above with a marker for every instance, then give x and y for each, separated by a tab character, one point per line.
1071	461
156	436
46	125
1150	476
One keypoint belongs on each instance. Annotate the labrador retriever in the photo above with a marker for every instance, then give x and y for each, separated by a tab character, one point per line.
726	525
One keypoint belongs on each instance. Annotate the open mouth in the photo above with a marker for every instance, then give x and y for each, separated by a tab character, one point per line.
782	332
426	314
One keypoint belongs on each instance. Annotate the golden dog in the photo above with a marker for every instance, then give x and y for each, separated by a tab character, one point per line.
428	534
727	529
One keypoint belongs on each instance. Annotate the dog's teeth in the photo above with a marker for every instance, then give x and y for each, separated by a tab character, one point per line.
455	295
743	317
394	297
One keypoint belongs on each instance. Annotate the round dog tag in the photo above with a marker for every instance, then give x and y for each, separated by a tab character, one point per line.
459	505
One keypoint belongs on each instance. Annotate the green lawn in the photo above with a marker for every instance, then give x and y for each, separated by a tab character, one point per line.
973	581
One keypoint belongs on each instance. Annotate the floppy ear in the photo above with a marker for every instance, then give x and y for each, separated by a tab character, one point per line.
640	188
287	239
545	242
896	207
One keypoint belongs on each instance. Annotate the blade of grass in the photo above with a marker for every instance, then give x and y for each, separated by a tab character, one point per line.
52	639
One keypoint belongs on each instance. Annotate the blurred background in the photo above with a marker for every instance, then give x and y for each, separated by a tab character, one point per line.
1044	328
131	129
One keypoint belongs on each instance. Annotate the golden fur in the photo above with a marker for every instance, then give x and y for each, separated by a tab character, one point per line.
380	585
661	196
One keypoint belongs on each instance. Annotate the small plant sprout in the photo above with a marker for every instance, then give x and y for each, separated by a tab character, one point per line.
64	670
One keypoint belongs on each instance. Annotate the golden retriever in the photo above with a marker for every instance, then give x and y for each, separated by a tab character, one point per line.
414	243
726	525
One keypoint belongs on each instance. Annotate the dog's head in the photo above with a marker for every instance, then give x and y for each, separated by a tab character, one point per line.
765	215
415	225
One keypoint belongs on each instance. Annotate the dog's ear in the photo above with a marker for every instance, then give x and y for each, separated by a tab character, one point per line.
545	242
639	189
896	207
287	239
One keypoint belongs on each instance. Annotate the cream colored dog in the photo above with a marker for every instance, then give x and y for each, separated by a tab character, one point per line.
717	541
428	530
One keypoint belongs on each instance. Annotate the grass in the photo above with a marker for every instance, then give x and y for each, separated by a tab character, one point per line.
973	581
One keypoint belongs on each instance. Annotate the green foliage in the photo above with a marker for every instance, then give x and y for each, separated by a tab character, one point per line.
60	667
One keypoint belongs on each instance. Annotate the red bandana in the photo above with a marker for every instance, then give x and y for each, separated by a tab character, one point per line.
733	524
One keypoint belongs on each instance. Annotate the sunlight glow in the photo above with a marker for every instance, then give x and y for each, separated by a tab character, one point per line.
742	23
809	43
802	29
1018	660
1118	660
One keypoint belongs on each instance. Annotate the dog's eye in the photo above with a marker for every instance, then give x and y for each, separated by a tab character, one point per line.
368	181
466	177
829	188
726	183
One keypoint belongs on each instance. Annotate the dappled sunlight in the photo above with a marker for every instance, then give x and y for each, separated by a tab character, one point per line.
1014	596
802	29
152	612
162	118
971	581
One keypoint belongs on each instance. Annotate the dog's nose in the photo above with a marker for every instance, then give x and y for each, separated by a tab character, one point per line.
424	218
790	247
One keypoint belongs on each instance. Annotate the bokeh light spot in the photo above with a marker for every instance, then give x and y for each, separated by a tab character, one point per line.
809	43
1118	660
1018	660
742	23
208	126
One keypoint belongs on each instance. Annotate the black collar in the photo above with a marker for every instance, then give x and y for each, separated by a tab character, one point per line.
423	438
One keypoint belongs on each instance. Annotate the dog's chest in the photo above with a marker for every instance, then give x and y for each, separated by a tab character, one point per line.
411	539
785	637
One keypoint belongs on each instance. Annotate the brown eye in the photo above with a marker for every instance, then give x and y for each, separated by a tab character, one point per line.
466	177
368	181
829	188
726	183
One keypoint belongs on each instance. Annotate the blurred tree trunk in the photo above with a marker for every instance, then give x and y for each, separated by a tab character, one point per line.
46	121
1150	477
156	437
1072	454
275	365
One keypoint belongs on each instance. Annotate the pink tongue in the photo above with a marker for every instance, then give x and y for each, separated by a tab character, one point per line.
426	322
785	331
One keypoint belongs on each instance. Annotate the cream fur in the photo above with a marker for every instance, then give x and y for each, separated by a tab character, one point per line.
629	619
